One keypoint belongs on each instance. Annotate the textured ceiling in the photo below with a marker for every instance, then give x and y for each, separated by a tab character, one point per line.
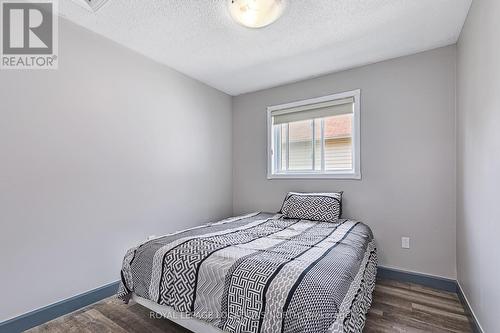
314	37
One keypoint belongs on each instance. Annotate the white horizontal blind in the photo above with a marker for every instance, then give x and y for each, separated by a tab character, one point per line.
314	111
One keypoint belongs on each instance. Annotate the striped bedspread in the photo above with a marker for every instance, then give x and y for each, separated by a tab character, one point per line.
260	273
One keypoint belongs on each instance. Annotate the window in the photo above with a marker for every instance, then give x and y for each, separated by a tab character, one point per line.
315	138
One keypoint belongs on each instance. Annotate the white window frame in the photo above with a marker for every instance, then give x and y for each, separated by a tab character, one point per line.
356	137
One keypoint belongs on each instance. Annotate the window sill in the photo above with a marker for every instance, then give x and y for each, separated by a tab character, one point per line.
352	176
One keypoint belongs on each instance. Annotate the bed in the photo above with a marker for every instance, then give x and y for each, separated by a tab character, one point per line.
259	272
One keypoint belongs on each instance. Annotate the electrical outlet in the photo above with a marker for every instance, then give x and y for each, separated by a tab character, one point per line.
405	242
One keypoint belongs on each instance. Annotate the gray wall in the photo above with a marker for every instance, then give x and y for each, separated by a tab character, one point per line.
478	155
407	149
97	155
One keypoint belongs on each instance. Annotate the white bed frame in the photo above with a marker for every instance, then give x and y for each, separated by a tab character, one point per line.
191	323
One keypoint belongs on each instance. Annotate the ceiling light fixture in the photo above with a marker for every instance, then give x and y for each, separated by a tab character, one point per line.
256	13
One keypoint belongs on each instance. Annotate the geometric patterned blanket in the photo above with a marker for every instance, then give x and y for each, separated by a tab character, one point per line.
260	273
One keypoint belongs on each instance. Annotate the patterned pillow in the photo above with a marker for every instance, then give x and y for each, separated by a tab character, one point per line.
325	207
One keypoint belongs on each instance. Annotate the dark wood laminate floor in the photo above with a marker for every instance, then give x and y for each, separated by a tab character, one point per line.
396	307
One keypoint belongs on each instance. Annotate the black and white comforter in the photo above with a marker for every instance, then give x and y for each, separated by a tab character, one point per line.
260	273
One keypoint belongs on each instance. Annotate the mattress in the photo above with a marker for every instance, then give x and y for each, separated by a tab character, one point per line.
259	273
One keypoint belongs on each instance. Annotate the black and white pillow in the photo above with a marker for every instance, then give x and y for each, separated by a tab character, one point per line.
325	207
